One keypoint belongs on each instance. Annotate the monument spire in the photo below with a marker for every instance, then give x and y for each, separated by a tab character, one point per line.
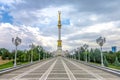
59	41
59	19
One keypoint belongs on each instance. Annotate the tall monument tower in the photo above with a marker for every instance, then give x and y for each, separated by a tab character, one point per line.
59	41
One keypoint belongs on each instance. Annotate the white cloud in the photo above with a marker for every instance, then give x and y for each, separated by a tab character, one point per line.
44	16
100	27
108	30
93	17
10	2
7	1
2	8
28	34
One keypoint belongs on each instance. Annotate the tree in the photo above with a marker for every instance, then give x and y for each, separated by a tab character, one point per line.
105	61
85	55
20	56
97	55
116	63
118	55
5	54
92	57
82	56
110	57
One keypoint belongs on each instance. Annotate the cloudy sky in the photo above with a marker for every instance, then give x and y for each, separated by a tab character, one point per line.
83	21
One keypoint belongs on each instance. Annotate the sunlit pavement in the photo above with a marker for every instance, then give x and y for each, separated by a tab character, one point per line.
58	69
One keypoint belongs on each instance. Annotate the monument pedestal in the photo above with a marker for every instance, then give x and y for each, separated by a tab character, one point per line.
59	51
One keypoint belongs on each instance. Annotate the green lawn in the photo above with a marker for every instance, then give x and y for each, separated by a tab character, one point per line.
6	65
110	65
98	64
114	67
21	63
10	64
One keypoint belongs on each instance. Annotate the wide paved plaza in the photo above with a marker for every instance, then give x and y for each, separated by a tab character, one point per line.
58	68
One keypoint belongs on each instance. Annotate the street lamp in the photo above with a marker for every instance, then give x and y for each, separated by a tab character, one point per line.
78	53
101	41
75	54
67	54
32	47
44	54
85	46
16	41
48	55
39	49
72	54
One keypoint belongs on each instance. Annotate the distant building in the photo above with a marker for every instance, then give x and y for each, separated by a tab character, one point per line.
114	48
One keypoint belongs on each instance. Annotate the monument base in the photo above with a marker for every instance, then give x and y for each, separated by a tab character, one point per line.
59	51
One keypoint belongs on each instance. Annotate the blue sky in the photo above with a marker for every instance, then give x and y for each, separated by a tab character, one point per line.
5	14
83	21
6	18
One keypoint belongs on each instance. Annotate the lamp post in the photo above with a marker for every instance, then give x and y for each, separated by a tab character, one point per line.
39	49
100	41
67	54
70	54
32	47
85	46
16	41
44	54
48	55
78	53
75	54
